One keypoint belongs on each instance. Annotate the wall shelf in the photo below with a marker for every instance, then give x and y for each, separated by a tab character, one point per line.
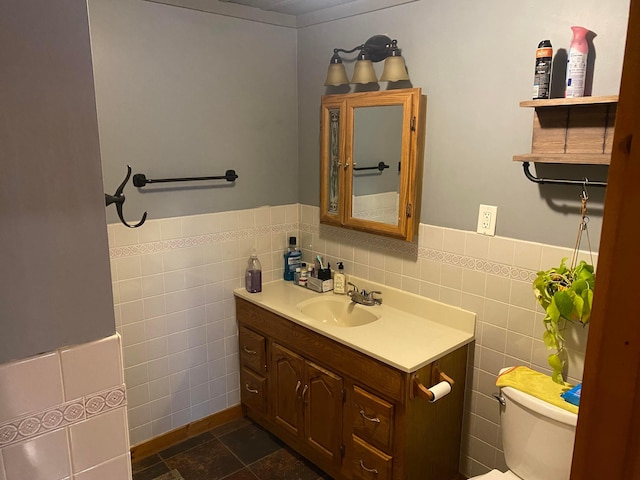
572	130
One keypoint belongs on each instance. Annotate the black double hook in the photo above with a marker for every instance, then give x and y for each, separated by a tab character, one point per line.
118	198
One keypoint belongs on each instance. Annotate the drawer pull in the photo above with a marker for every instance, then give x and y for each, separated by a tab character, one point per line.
370	470
298	385
250	352
250	389
371	419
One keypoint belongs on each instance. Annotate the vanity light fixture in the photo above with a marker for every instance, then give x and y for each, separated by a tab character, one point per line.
375	49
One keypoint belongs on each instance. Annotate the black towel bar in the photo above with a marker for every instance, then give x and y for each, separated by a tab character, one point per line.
140	179
381	166
542	181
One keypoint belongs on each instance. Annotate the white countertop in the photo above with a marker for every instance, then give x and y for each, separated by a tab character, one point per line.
412	331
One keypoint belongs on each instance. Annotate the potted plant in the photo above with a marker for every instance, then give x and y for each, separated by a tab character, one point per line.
566	294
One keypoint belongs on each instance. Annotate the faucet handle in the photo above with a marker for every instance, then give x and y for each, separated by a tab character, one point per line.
370	296
355	288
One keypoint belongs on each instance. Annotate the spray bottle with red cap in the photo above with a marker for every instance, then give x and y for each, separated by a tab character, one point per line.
577	63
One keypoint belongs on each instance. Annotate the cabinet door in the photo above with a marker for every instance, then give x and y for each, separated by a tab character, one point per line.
287	369
323	411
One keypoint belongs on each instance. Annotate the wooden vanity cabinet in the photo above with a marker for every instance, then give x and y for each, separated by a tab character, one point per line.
307	402
353	416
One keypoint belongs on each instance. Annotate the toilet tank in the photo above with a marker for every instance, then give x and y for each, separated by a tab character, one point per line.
537	437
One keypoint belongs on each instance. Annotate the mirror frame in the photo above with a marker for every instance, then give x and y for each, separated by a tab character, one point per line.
412	159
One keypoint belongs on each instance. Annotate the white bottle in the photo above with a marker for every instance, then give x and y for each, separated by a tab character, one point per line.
340	280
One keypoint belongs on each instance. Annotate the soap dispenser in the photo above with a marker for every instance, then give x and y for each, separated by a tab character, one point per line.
340	280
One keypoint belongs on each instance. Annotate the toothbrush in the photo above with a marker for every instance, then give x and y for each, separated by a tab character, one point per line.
320	261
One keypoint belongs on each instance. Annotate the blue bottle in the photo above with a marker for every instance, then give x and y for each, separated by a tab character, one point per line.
292	259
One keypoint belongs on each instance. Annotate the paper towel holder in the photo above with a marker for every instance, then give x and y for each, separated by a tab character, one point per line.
420	391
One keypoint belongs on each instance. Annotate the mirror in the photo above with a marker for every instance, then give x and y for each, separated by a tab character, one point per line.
371	151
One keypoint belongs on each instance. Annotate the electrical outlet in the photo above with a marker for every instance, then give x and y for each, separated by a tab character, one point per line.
487	220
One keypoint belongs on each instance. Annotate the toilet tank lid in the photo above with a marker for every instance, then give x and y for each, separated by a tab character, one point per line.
540	406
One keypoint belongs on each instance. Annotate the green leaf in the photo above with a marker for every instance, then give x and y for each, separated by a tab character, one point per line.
554	361
553	312
587	297
550	340
557	377
578	304
563	303
580	285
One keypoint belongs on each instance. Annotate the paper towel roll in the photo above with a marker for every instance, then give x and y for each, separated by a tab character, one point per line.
440	390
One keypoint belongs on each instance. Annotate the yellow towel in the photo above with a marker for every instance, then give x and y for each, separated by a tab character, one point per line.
536	384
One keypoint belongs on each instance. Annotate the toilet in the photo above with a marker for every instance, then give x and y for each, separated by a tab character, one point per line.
537	438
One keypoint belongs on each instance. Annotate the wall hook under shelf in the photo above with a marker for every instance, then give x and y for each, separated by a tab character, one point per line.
542	181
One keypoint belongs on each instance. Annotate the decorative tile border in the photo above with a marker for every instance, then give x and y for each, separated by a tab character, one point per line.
199	240
68	413
351	237
373	242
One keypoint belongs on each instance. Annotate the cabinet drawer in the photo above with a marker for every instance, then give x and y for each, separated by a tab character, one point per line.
369	463
254	390
372	419
253	352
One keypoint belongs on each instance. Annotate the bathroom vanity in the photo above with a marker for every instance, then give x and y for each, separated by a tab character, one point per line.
345	386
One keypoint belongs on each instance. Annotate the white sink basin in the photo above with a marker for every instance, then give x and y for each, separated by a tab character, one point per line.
339	312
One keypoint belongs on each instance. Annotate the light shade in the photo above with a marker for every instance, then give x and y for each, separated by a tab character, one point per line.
363	72
336	75
394	70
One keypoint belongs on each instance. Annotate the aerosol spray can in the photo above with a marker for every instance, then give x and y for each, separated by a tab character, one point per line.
577	63
542	76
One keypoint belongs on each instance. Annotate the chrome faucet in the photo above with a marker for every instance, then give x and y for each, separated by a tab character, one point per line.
363	297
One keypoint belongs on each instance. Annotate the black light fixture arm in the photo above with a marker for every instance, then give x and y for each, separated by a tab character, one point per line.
553	181
377	48
118	198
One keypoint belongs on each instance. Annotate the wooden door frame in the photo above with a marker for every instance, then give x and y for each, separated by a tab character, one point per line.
608	433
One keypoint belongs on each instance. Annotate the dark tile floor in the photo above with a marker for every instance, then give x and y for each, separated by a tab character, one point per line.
240	450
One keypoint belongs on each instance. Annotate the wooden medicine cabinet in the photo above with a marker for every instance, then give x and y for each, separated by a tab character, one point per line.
371	156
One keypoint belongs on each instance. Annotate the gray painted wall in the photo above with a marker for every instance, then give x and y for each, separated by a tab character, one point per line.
474	61
56	281
167	108
182	93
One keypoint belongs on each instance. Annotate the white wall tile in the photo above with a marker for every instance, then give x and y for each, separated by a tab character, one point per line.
151	264
454	241
2	471
170	228
431	237
477	246
99	439
149	232
159	388
30	385
45	457
131	311
130	290
116	468
189	306
161	425
501	250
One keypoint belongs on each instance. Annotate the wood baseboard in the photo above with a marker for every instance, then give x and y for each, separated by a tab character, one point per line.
178	435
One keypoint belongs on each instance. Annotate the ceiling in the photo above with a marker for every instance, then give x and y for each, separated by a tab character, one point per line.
288	13
290	7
